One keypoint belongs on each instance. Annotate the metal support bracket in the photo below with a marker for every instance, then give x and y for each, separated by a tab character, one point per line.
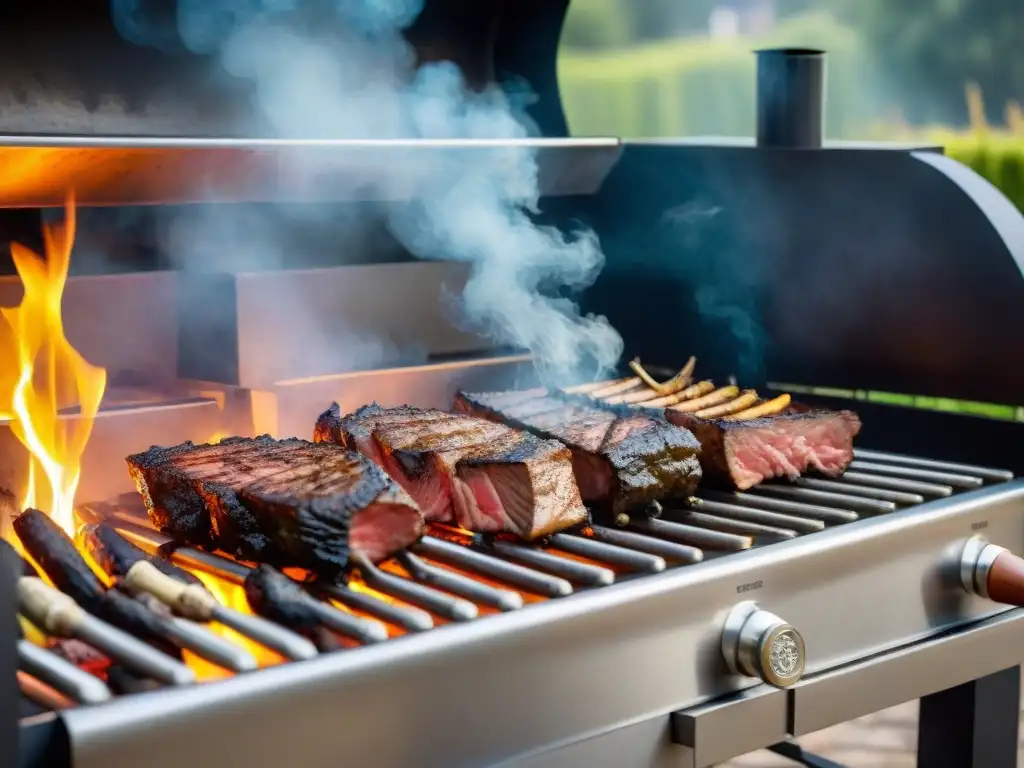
793	751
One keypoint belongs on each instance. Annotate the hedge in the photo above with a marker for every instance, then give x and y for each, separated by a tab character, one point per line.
997	157
705	87
700	86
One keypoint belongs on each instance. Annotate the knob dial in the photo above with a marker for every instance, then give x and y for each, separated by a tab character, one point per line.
991	571
757	643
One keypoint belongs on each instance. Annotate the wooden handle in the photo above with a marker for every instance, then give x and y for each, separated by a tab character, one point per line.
189	600
52	611
1006	579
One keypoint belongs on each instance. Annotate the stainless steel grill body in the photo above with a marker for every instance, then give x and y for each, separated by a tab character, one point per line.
533	681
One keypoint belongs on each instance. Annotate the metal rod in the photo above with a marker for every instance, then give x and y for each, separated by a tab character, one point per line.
700	537
510	573
268	634
867	506
61	674
133	653
670	550
573	570
930	490
42	694
150	541
284	641
738	512
608	553
452	608
208	646
407	617
829	515
913	473
897	497
989	473
478	592
739	527
366	631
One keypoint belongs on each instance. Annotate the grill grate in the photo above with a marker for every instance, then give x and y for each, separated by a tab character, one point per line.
452	577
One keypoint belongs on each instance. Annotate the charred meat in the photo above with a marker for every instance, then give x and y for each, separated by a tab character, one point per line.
740	453
465	471
744	438
622	459
287	502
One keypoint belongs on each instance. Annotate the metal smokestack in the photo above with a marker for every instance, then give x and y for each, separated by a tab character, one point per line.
790	98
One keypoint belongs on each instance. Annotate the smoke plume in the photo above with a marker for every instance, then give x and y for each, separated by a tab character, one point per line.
342	69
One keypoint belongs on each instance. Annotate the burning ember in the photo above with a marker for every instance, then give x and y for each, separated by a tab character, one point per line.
43	376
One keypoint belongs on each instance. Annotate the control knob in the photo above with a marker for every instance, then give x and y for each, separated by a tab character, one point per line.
991	571
757	643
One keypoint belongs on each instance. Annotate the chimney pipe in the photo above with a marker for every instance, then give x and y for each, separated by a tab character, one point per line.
790	98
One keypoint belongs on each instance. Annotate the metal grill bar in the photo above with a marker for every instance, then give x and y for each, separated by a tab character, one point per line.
828	515
866	506
928	490
738	512
454	609
476	591
608	553
284	641
739	527
510	573
571	570
883	494
913	473
670	550
406	617
698	537
61	674
988	473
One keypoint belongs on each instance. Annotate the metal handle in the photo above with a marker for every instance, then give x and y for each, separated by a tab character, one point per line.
757	643
992	572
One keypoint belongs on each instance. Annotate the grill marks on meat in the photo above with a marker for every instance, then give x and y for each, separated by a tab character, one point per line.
287	502
622	459
742	454
474	473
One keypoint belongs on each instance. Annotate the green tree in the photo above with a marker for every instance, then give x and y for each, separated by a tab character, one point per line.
928	50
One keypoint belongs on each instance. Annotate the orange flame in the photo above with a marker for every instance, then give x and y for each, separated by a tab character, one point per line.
43	374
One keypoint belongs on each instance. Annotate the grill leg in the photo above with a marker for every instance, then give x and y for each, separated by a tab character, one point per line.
793	751
974	725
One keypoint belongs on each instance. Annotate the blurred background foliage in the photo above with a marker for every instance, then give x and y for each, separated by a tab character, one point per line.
946	71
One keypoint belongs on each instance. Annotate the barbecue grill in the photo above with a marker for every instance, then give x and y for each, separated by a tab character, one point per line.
741	621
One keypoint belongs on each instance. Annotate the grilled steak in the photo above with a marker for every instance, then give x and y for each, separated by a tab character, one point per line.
621	459
286	502
471	472
741	454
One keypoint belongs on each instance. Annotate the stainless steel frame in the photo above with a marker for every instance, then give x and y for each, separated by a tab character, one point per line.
521	685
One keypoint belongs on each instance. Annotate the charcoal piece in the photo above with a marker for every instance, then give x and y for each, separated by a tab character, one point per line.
274	596
116	555
56	554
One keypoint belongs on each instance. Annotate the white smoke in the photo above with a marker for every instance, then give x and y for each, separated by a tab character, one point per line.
341	69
